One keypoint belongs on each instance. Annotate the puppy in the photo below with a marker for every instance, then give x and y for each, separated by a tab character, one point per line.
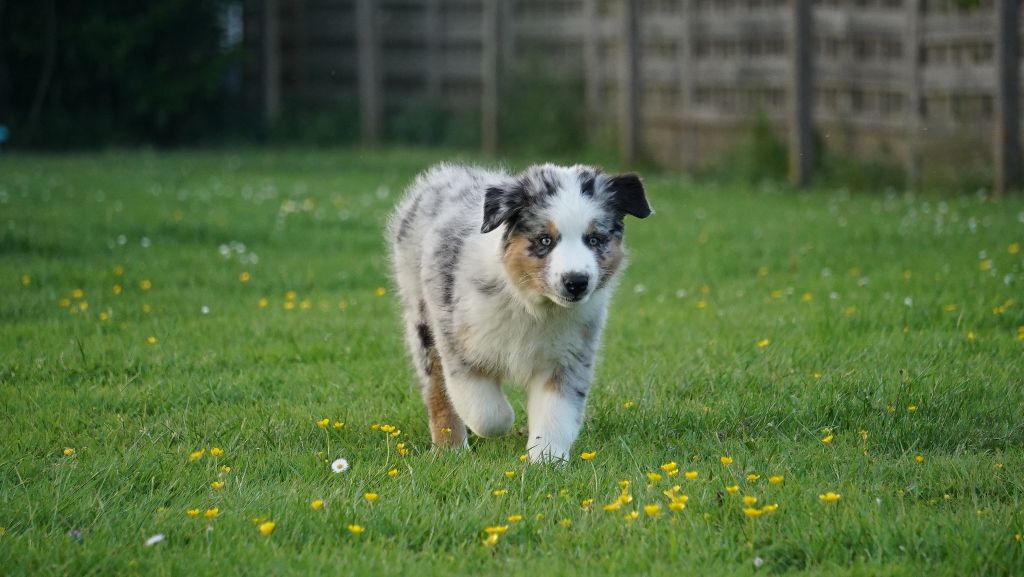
508	278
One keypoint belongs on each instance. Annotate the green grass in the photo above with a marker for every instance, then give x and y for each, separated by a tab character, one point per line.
682	345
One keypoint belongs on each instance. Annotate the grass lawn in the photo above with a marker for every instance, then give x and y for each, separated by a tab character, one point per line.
156	305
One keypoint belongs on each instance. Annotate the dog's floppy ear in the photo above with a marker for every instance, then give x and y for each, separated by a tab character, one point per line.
502	203
628	196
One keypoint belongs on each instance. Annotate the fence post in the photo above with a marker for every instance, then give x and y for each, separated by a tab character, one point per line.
591	68
801	93
1007	125
490	76
629	85
432	16
369	70
912	52
687	75
271	63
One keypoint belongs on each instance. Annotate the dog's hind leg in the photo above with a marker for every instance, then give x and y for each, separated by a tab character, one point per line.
446	428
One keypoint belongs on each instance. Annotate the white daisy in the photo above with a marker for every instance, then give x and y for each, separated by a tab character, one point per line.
154	539
339	466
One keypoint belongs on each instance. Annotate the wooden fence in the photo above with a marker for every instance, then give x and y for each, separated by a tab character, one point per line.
925	81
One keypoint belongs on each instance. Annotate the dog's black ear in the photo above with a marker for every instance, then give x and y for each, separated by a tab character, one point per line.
501	203
628	196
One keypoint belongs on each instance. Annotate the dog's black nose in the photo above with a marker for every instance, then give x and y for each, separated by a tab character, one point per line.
575	283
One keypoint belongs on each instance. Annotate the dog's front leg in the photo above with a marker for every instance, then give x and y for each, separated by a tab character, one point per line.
555	406
480	402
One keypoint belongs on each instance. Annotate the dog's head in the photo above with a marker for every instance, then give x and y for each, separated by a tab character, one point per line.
563	228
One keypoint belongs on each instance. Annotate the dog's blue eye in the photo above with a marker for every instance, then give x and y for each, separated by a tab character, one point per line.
545	240
594	240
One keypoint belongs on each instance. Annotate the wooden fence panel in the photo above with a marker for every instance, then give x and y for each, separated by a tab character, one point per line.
676	79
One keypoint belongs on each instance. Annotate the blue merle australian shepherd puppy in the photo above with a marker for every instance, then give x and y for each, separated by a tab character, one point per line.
509	278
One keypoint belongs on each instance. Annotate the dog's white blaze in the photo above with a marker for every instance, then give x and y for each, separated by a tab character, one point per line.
572	214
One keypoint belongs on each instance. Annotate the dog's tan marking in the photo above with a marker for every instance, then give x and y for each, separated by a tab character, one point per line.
446	428
524	269
611	262
554	382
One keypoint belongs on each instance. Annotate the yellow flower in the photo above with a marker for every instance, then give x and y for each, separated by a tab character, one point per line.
145	285
624	484
613	506
752	512
676	506
670	466
911	408
499	492
322	423
491	540
338	425
652	510
522	458
632	516
749	500
588	456
104	316
267	527
356	529
849	311
827	439
586	503
691	475
753	477
64	303
196	455
26	280
919	458
245	276
763	343
770	508
653	477
829	497
263	302
68	451
776	479
77	293
217	452
702	304
224	469
151	340
950	308
371	497
316	504
212	513
807	297
972	336
565	522
732	489
510	474
985	265
192	513
726	460
117	289
628	405
119	270
496	530
146	308
387	428
393	473
217	485
1018	537
289	305
381	291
